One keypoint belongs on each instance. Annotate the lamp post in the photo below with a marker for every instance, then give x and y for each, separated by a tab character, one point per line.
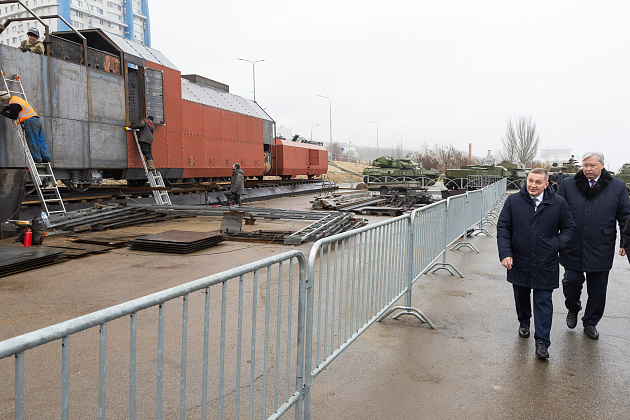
329	119
312	131
253	72
401	149
377	154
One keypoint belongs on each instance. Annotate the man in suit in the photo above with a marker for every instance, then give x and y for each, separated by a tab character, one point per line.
597	201
533	226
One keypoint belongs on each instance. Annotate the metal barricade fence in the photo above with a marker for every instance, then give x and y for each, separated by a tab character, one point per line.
353	277
427	224
239	352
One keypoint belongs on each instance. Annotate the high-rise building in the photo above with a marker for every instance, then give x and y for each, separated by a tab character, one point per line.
126	18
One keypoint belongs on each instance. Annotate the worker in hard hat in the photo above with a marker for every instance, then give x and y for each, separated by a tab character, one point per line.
145	139
18	109
33	44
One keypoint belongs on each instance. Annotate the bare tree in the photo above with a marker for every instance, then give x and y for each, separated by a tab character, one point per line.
520	143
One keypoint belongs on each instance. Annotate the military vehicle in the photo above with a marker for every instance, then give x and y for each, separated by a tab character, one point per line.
624	175
389	174
516	174
569	168
473	177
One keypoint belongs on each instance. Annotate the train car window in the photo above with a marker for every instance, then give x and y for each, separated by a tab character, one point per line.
155	95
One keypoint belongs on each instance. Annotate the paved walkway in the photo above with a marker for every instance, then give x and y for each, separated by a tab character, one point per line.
474	365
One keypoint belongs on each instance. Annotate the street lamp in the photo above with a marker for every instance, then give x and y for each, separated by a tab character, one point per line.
312	131
401	149
253	72
329	119
377	154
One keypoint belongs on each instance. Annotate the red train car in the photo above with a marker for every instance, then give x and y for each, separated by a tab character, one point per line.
292	158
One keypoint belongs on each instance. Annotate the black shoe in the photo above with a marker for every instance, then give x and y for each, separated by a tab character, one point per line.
571	319
541	350
45	160
523	330
591	332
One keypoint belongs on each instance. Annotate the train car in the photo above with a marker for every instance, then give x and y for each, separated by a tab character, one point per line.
90	85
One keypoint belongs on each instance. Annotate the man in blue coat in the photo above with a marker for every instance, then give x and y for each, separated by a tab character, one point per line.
534	225
597	201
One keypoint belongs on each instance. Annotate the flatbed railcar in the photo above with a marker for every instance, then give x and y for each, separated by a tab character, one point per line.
86	100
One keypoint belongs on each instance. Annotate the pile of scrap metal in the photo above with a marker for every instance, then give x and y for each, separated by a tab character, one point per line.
102	217
409	199
357	202
347	201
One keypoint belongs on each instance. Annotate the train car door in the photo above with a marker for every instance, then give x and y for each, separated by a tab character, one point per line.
145	87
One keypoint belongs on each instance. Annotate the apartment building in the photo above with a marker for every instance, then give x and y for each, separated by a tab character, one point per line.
126	18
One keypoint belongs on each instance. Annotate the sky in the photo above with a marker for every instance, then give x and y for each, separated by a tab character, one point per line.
434	72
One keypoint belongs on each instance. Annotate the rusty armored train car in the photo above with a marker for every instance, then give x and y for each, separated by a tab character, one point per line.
87	99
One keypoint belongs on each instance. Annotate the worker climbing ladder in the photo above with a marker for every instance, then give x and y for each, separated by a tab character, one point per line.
41	173
155	177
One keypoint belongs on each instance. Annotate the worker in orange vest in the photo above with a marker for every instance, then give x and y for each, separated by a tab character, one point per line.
18	109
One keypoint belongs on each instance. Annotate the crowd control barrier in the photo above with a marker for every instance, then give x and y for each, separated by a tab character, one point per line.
225	347
288	318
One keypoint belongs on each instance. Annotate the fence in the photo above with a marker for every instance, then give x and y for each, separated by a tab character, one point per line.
204	366
353	280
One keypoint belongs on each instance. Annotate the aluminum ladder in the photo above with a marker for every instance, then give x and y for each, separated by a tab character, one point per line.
155	177
41	173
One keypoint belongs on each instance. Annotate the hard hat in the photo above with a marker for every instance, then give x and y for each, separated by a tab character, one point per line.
4	95
33	31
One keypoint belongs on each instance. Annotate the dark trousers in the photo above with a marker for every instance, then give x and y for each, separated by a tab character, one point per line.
543	311
36	139
237	199
596	285
146	150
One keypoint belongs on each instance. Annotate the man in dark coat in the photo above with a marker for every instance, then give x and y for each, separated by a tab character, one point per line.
237	183
533	226
597	201
145	139
559	177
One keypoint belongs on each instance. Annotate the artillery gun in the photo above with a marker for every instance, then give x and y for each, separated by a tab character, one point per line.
389	174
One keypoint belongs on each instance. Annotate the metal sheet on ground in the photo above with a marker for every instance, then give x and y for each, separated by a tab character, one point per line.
17	259
177	241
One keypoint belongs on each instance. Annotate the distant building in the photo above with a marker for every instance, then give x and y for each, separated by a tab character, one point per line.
126	18
553	155
489	159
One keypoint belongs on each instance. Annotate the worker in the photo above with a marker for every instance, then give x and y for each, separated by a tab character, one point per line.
33	44
145	138
19	109
237	184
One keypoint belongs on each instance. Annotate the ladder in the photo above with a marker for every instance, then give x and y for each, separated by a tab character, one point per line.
41	173
155	178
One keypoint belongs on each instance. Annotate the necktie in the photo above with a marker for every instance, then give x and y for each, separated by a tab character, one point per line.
592	183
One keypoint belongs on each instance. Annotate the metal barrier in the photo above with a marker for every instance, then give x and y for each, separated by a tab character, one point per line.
353	280
206	369
353	277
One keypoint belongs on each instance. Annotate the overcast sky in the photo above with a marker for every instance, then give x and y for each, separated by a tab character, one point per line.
449	72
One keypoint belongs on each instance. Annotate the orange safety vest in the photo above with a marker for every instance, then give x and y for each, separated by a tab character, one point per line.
27	110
